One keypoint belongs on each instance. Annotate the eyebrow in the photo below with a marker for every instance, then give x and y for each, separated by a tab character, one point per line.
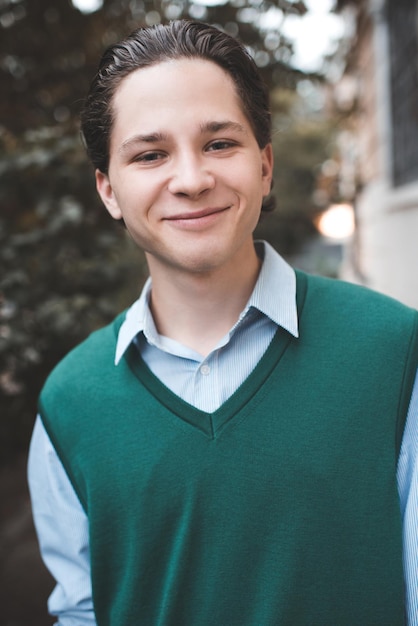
149	138
157	137
214	127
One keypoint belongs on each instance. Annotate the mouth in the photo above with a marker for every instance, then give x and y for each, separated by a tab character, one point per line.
196	221
190	216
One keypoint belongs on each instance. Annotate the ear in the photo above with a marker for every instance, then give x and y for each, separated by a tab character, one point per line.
106	193
267	161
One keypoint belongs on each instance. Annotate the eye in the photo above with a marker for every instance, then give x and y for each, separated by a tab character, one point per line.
221	144
149	157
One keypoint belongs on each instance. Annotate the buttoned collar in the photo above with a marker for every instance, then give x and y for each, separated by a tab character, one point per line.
274	295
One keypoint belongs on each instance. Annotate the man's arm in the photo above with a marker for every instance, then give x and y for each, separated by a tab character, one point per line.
408	494
62	529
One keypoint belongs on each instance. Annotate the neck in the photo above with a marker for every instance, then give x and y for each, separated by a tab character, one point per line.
197	310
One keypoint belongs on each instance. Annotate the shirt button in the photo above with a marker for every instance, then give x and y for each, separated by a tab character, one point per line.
205	370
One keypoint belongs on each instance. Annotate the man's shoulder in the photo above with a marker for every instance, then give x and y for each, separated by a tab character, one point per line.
88	359
355	311
354	296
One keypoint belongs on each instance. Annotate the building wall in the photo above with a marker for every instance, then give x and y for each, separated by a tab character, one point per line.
384	251
387	241
366	121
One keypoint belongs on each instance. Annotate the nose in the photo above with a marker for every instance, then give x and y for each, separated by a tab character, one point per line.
190	176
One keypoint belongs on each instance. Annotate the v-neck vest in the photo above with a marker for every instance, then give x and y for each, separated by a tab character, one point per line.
278	509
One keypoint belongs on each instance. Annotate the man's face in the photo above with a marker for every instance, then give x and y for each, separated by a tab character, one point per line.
186	173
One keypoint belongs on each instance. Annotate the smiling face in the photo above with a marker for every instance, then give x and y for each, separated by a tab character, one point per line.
185	173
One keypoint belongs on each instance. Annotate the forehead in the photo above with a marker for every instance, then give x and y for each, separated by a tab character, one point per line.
181	65
191	84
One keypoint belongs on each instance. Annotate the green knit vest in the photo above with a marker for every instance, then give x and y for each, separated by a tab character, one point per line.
278	509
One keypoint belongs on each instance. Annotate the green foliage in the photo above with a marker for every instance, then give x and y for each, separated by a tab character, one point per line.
65	269
303	139
49	50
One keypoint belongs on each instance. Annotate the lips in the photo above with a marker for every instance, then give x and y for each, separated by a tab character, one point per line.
196	215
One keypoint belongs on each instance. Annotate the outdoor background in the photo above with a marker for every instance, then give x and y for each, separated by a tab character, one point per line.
65	267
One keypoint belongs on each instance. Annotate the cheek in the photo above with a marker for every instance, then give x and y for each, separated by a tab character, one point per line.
245	177
140	222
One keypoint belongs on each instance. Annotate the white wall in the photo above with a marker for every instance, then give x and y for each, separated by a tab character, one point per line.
387	241
384	252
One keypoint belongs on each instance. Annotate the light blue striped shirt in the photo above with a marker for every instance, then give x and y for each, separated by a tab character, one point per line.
206	383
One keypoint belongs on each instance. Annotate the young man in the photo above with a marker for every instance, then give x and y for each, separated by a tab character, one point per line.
240	447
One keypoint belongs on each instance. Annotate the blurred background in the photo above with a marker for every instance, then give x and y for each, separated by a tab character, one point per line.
344	92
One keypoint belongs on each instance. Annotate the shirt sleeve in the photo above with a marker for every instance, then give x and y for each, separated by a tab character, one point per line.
62	528
408	495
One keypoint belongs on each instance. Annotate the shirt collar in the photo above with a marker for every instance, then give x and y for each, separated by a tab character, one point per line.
135	321
274	295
